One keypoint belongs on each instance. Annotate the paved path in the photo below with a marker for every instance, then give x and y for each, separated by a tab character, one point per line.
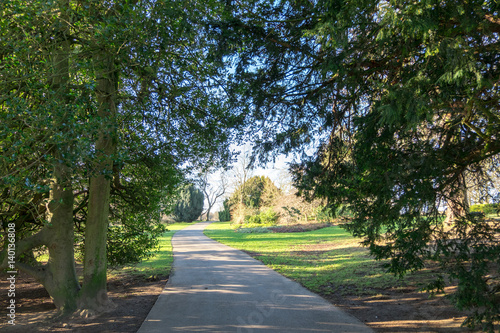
215	288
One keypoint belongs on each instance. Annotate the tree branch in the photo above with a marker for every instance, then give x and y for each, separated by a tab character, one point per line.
38	272
24	245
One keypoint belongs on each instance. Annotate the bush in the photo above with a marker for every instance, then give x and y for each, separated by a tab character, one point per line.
224	216
254	219
268	217
485	209
343	211
131	244
324	214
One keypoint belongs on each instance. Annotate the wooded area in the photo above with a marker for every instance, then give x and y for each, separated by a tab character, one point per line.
107	107
104	107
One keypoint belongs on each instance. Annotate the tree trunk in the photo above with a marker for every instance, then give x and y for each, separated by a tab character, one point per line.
93	296
458	203
59	276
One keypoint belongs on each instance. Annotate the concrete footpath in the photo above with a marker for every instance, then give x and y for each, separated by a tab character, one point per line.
215	288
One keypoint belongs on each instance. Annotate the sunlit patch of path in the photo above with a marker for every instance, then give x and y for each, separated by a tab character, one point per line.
215	288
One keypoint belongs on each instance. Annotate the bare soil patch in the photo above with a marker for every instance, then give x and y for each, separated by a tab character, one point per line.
395	310
133	297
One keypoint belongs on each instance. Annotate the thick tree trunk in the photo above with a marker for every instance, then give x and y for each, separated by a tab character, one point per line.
93	296
59	276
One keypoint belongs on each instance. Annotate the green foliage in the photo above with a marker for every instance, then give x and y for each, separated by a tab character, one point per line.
160	262
485	208
269	216
189	205
343	211
225	214
325	214
255	192
160	114
133	244
136	224
403	99
253	219
248	199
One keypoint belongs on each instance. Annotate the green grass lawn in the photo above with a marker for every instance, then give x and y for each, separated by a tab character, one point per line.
325	261
161	262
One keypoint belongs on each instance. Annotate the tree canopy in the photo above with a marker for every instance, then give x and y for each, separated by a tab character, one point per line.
400	101
255	192
104	107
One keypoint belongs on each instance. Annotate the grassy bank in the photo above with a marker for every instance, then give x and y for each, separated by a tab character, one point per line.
327	260
161	262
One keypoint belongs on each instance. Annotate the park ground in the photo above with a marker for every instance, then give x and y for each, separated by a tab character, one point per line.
386	307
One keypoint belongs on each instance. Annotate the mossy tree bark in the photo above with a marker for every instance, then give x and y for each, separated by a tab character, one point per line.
93	296
59	276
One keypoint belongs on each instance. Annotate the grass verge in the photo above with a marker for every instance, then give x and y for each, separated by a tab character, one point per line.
327	260
160	264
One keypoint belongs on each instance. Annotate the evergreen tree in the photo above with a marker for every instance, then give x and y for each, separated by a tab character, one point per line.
402	99
190	204
225	214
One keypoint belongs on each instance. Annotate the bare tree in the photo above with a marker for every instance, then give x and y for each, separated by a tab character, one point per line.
284	181
483	181
212	191
241	172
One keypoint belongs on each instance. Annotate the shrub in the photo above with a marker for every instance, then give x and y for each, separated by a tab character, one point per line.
254	219
324	214
343	211
485	209
268	217
131	244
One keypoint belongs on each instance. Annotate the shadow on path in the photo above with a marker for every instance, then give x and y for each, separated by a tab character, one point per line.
215	288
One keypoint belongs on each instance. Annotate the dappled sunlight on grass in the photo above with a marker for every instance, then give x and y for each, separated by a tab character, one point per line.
325	260
161	261
332	263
